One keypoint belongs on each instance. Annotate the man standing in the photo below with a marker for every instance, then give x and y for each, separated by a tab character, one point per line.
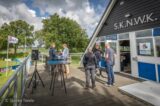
110	60
90	64
98	53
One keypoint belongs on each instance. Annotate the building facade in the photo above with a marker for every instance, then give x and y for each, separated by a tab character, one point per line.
132	27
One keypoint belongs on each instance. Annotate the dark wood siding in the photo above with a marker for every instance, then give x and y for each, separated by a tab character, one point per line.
136	8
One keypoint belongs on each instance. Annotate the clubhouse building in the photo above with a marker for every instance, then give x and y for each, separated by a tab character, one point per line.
132	27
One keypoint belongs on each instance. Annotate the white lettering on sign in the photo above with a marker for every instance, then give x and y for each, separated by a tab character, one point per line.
135	21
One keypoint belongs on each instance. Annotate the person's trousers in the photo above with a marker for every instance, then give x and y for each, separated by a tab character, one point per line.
90	74
100	71
111	79
67	69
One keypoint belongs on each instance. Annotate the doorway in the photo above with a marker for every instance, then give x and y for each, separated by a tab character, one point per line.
125	56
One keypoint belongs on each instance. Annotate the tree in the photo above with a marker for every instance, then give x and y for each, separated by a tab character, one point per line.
63	30
19	29
3	35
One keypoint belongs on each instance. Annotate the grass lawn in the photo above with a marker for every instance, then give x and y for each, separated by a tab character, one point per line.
4	78
10	63
43	50
75	61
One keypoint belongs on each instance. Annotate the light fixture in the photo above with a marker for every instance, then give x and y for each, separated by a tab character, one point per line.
122	2
127	15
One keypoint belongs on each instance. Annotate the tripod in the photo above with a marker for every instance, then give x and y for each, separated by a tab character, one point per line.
34	78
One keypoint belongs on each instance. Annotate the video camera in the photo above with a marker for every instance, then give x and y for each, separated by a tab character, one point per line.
35	54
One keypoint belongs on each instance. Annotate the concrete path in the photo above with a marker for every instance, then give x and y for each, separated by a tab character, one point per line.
147	91
77	95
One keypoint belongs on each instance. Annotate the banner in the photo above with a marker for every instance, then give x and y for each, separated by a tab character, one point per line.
12	39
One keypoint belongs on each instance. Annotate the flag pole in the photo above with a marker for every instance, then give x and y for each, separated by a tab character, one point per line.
7	57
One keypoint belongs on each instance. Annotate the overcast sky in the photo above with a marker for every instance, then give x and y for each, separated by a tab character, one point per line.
86	12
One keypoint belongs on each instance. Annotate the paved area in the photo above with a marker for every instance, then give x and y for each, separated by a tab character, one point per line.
147	91
77	95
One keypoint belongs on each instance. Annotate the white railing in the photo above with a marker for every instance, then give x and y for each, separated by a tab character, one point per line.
44	55
12	92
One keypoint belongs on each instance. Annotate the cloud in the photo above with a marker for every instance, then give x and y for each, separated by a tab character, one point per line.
80	10
11	11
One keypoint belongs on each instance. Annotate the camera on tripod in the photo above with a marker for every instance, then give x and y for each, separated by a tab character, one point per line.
35	54
35	58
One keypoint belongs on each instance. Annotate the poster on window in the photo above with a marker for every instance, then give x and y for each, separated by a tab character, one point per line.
145	48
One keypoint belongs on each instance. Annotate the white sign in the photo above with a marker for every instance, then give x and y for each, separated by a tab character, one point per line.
12	39
145	48
7	60
135	21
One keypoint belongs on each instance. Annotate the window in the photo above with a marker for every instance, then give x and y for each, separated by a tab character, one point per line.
101	38
156	31
144	33
124	36
145	47
111	37
157	44
113	46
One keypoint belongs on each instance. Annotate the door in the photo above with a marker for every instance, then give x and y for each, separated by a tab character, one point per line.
125	56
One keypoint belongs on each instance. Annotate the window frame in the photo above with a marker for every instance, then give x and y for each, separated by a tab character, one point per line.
155	46
146	37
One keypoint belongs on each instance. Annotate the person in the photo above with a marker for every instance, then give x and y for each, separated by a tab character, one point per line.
52	52
98	53
110	61
90	65
52	56
65	55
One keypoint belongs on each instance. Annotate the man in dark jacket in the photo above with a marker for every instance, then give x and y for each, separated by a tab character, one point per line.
98	53
90	64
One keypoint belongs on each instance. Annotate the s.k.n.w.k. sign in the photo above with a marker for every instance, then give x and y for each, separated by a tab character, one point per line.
135	21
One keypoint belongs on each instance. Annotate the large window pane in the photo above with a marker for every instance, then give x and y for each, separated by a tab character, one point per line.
144	33
157	40
145	47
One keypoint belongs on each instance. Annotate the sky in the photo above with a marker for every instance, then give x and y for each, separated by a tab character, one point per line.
86	12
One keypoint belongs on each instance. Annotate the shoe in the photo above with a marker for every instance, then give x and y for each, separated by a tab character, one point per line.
93	87
113	84
86	87
108	85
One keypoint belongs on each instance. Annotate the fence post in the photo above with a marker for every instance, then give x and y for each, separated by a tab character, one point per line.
22	81
15	100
